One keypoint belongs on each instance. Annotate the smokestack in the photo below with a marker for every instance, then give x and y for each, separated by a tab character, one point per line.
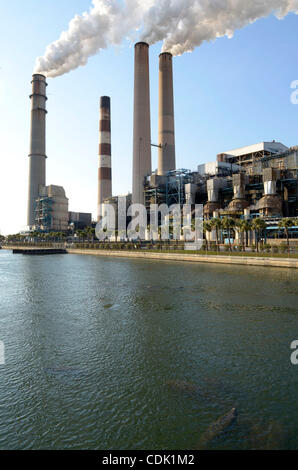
142	125
166	122
37	155
105	164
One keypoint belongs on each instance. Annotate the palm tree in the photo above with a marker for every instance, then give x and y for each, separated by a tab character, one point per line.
240	229
228	224
149	231
90	232
243	226
286	224
159	232
217	226
207	227
79	234
259	225
247	228
34	235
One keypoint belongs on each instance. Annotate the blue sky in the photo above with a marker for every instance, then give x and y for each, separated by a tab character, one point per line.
229	93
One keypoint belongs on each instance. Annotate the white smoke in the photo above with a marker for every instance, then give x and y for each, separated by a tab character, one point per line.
182	25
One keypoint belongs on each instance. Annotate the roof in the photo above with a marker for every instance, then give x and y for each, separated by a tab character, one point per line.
272	147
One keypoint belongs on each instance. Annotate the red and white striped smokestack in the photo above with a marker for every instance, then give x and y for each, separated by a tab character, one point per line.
142	124
105	163
166	120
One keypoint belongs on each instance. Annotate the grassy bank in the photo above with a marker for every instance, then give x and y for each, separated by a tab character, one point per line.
122	248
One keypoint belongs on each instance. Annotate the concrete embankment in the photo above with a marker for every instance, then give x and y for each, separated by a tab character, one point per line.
223	259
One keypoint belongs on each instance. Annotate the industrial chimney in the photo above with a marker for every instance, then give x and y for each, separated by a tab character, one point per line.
142	125
105	164
166	123
37	155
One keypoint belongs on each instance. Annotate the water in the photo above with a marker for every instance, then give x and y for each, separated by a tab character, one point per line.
107	353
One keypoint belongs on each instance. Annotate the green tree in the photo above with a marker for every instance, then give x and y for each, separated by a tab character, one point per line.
258	225
228	224
247	228
286	224
243	226
207	227
216	224
90	233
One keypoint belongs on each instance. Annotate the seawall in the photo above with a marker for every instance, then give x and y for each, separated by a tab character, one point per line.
242	260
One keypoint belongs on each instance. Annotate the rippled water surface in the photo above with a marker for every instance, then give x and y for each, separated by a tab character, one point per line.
132	354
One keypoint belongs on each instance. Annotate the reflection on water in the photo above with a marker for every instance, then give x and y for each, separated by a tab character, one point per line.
132	354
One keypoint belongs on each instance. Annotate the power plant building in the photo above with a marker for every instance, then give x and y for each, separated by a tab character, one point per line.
256	180
47	205
79	220
51	209
251	181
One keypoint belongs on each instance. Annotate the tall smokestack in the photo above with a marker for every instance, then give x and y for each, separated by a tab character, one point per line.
142	125
105	164
37	155
166	123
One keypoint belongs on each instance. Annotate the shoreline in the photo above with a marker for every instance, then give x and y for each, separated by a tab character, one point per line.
222	259
290	263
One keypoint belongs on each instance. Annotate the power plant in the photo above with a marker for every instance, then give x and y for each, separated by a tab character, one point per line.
47	205
255	180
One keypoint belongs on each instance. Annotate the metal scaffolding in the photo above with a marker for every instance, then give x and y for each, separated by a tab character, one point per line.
43	213
175	186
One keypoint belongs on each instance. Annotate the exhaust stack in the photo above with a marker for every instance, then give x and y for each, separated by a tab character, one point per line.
166	121
142	125
105	163
37	155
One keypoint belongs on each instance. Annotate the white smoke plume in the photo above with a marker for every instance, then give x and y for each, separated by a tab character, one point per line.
182	25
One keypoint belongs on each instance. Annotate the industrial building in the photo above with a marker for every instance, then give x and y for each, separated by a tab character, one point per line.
47	205
51	209
265	185
256	180
79	220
